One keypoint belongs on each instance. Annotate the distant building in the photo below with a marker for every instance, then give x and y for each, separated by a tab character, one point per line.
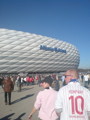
26	52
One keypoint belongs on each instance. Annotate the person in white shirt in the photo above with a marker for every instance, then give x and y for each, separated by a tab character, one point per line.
63	80
86	78
73	100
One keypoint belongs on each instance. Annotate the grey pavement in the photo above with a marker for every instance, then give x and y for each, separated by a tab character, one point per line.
22	103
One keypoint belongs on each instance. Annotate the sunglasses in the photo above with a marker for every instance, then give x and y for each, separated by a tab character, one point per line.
67	76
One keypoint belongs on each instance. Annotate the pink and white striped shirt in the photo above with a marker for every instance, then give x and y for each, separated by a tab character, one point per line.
45	102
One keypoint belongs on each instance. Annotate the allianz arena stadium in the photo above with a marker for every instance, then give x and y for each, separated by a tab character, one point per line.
31	53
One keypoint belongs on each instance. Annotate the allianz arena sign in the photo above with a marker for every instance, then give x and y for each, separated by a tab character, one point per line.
52	49
27	52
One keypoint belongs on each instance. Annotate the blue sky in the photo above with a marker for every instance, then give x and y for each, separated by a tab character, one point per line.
67	20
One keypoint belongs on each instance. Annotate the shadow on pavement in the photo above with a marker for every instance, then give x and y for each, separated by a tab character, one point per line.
7	117
19	117
23	89
20	99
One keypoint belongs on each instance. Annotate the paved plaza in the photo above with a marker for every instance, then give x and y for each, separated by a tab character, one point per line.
22	103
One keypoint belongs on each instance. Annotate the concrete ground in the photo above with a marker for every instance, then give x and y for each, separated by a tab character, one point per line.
22	103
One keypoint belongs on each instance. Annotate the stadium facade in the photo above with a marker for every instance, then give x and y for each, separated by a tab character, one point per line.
26	52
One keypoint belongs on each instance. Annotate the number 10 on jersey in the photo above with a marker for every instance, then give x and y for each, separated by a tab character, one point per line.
77	104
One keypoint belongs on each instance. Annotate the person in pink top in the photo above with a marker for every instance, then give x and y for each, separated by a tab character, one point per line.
45	102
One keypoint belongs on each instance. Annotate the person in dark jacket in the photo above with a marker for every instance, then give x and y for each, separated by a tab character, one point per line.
8	87
56	85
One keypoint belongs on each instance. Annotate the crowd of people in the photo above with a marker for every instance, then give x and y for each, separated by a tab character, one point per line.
9	81
69	100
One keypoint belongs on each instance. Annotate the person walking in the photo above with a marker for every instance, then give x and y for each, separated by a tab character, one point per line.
45	102
19	84
63	80
56	85
73	100
8	87
86	78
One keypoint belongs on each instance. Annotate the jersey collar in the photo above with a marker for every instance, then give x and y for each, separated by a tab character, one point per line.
73	80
